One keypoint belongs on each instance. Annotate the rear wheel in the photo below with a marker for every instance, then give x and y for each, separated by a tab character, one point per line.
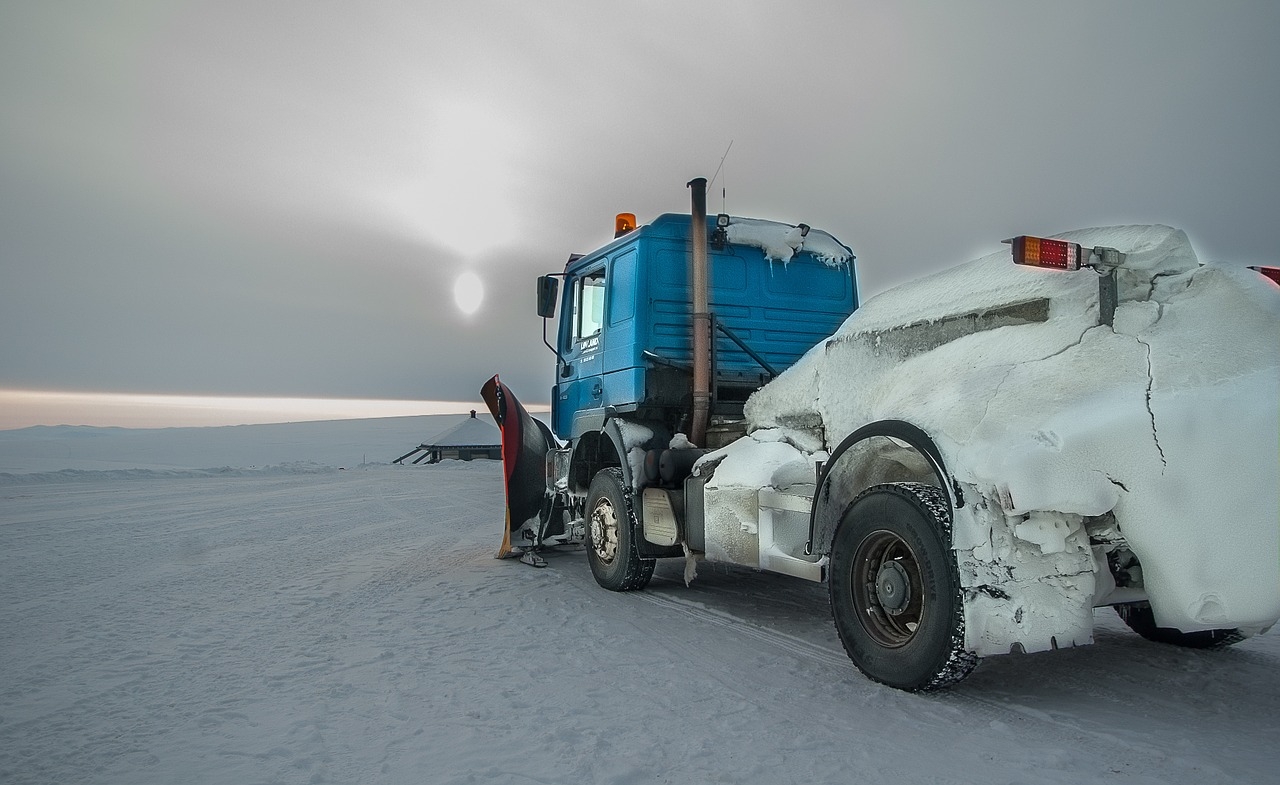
1142	620
895	588
611	535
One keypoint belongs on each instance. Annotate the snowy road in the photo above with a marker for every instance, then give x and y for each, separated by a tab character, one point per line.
352	627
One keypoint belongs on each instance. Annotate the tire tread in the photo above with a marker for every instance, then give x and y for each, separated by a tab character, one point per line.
636	571
933	503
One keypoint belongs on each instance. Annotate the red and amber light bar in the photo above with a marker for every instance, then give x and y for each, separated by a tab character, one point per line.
1043	252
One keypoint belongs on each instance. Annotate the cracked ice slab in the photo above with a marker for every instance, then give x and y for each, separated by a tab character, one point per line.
1170	419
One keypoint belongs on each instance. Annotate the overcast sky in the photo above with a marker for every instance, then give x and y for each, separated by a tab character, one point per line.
274	198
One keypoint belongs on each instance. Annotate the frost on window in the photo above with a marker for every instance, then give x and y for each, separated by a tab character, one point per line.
588	305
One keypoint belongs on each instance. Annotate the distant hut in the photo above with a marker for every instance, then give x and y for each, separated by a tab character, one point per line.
471	438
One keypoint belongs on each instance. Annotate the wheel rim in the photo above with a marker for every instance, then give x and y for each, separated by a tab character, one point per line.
604	531
888	590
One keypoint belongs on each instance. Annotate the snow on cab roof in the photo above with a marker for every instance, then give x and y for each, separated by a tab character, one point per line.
779	241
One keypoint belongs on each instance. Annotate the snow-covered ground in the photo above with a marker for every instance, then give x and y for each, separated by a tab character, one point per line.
225	605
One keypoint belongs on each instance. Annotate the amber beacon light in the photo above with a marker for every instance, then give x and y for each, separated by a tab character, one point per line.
623	223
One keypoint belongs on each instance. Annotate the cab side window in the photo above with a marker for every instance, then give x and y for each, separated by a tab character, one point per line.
588	305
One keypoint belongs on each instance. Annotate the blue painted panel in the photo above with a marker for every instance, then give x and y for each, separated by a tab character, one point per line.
624	387
779	310
622	290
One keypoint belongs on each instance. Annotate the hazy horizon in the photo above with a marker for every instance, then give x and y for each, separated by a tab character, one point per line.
27	408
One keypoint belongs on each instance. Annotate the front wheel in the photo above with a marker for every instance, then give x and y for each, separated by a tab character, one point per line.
611	535
1142	620
895	588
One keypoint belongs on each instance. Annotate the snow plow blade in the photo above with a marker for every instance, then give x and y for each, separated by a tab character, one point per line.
525	443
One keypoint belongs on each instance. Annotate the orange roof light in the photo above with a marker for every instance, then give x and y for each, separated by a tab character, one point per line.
625	222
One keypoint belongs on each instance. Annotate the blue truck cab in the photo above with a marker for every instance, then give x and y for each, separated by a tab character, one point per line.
624	343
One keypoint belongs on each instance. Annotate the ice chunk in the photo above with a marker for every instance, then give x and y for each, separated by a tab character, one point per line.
780	242
1047	530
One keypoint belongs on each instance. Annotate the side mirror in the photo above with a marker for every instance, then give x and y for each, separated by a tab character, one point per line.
548	289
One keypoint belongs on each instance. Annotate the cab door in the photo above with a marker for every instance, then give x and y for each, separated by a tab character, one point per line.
580	382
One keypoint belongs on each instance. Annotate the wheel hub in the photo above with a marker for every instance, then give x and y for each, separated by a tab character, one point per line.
604	531
893	588
888	589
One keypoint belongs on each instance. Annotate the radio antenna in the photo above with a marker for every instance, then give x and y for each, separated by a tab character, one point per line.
723	190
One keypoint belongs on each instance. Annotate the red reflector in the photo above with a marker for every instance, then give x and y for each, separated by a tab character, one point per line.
1271	272
1040	252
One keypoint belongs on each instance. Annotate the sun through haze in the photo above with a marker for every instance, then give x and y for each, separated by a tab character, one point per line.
284	199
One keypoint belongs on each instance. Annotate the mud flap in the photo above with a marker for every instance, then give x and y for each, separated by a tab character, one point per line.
525	443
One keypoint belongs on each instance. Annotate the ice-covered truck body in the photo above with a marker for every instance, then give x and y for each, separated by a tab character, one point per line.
972	462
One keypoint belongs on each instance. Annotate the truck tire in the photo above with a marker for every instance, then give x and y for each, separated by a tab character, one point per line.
611	535
1142	620
895	588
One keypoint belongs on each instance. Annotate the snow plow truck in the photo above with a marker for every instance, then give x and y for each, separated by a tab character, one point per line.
971	462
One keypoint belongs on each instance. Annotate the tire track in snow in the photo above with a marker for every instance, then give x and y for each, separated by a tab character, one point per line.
1122	699
781	640
664	593
1075	696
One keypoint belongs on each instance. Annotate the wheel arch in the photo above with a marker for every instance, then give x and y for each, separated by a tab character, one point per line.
606	446
593	451
878	452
